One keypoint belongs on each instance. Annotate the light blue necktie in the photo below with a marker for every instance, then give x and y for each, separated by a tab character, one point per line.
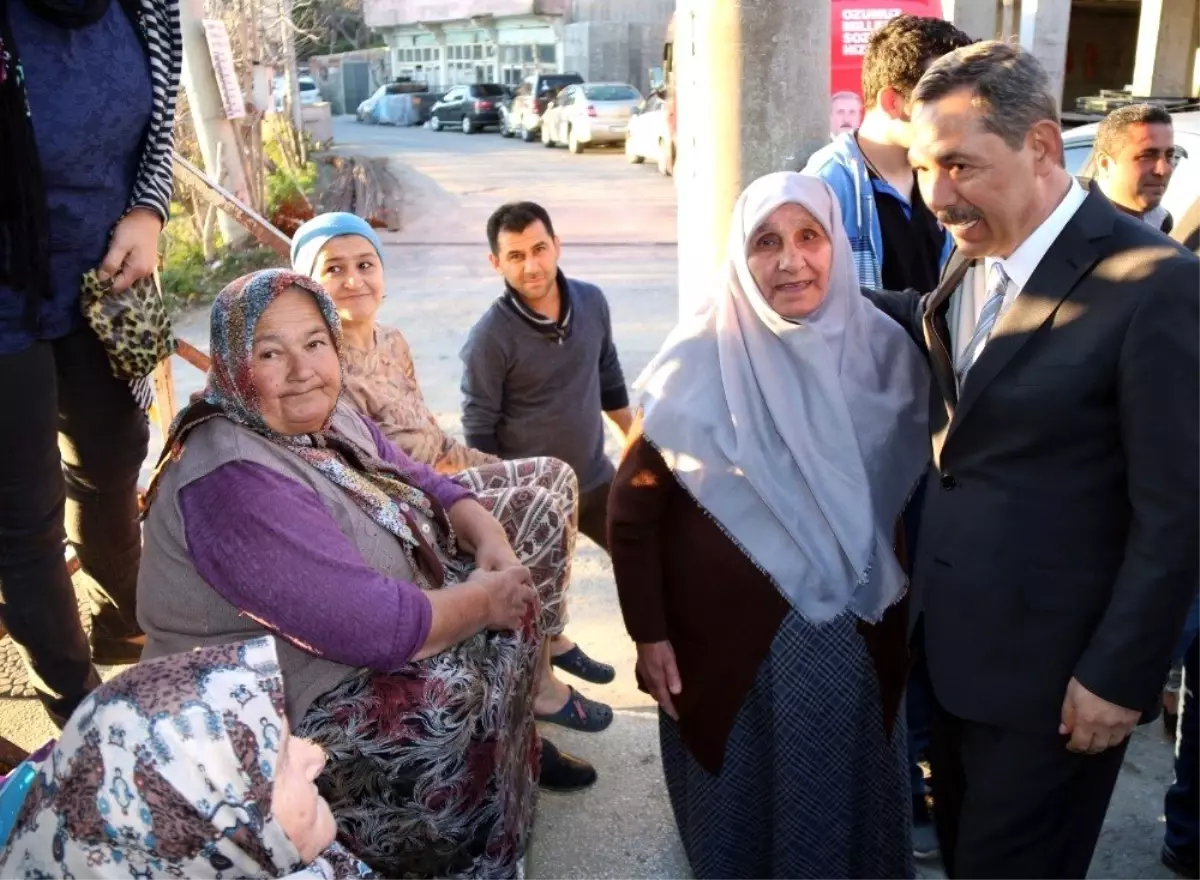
987	320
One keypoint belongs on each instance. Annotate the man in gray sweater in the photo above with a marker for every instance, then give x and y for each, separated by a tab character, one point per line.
540	366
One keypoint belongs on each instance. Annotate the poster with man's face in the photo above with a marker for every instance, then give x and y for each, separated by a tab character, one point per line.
853	23
845	112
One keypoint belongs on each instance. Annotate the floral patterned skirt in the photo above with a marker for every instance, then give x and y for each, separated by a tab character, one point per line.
433	769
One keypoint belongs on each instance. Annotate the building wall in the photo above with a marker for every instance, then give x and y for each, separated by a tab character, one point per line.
1101	45
614	51
385	13
628	11
453	42
460	53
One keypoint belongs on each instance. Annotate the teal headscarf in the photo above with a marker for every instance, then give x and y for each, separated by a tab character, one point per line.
317	232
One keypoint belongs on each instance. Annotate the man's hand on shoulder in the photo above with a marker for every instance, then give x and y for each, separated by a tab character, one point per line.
1093	723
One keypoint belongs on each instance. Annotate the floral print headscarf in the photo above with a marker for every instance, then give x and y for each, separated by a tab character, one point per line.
168	771
384	493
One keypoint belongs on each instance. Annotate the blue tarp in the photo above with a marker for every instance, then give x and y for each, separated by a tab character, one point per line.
410	109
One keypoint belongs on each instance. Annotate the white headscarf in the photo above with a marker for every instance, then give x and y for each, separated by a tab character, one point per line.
802	438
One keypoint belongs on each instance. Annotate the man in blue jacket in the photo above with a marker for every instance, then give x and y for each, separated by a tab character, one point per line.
897	241
898	244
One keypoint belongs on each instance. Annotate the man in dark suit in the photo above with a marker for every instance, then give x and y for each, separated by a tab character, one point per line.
1059	538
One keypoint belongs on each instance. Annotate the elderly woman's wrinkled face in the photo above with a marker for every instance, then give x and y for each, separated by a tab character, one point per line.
299	809
789	256
294	365
351	272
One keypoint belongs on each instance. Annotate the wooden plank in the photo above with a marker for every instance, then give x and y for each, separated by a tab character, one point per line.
10	756
164	397
216	195
193	356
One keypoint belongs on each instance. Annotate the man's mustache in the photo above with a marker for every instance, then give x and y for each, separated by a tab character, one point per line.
958	216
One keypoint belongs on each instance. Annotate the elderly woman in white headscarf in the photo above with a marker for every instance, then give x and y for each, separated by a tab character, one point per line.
753	525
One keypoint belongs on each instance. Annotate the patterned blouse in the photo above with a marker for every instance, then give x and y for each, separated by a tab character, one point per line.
382	384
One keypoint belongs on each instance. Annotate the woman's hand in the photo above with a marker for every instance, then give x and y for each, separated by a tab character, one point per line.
656	663
509	594
496	554
133	251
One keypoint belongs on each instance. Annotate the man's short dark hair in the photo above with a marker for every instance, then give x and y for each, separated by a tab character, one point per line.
1011	88
901	50
515	217
1113	130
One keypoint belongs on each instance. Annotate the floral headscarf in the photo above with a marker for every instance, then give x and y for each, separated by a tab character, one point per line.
382	491
168	770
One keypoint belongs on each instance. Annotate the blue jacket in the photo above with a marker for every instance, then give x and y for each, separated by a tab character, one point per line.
842	166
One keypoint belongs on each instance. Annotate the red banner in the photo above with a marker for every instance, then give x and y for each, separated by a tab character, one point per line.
853	23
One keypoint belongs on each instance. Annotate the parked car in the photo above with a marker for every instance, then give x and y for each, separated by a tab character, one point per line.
591	114
309	93
1184	187
533	96
468	108
649	135
398	103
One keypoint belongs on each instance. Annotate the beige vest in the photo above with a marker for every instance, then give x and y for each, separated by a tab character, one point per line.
177	608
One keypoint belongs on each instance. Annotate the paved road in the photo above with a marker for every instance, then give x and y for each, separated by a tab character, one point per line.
617	224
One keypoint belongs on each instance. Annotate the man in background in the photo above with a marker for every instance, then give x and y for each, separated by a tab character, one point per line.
845	112
540	366
1133	160
897	242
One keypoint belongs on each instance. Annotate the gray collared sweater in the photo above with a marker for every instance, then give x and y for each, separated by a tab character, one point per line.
530	390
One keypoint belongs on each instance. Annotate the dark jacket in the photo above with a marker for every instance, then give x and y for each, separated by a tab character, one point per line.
1059	534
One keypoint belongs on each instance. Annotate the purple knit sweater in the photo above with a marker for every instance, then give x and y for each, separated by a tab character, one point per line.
267	544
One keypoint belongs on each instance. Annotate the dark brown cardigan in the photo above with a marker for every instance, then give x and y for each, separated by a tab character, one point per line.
681	579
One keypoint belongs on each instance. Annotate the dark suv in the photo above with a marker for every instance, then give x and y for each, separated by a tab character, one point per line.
524	116
469	108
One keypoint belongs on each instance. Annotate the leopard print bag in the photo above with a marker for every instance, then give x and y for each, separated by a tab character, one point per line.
133	326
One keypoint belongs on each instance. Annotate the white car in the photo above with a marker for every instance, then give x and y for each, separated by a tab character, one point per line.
1184	187
649	135
590	114
309	93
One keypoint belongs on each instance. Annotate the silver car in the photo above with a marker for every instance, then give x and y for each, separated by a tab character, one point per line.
589	115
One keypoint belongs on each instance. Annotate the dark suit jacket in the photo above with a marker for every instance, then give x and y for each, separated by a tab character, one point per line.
1187	230
1060	529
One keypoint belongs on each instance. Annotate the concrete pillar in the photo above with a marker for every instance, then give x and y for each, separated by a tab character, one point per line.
978	18
752	93
1044	27
1166	48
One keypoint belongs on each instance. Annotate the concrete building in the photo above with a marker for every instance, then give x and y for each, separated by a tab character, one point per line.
454	42
1151	47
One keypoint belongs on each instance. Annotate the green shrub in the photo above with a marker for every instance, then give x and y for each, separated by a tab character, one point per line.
187	279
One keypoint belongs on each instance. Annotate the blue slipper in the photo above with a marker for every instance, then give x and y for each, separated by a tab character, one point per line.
582	666
580	713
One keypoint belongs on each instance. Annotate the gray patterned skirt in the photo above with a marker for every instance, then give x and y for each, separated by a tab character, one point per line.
811	785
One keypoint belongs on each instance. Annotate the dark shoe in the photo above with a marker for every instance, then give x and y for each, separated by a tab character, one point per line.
580	713
60	709
562	772
108	651
582	666
1179	863
924	841
1170	722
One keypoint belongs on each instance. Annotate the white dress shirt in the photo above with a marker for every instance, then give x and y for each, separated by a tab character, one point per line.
1019	268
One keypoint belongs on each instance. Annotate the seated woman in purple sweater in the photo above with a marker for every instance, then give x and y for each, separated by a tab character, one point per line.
410	626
